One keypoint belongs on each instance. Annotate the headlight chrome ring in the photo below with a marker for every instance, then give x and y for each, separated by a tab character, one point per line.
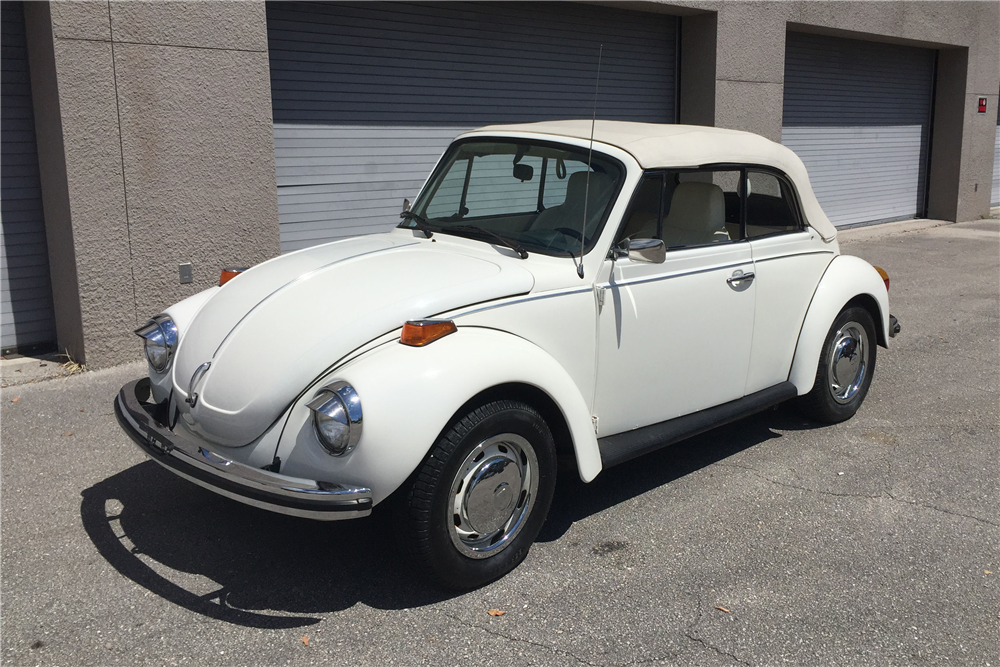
160	339
337	417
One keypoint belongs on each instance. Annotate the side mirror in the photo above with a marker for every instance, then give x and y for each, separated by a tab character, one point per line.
406	205
649	251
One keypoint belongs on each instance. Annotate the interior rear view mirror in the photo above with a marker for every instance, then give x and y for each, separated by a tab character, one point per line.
523	172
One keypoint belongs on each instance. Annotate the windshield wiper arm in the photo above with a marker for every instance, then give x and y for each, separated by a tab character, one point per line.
510	243
421	224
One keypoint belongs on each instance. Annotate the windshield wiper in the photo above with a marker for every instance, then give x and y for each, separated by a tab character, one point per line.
510	243
421	224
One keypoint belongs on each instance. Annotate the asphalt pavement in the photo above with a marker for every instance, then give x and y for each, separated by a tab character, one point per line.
769	541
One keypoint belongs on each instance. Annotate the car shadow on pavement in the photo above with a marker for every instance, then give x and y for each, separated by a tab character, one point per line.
575	500
253	568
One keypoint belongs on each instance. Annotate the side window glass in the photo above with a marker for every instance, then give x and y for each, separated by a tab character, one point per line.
643	218
770	206
702	207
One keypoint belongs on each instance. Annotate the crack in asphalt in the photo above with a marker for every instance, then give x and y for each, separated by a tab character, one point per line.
935	508
692	629
880	496
529	642
715	648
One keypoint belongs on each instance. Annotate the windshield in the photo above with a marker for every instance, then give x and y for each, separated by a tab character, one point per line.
532	194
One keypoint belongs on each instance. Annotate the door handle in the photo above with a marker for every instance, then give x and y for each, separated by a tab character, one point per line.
737	280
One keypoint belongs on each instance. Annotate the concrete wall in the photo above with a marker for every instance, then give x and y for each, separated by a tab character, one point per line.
745	75
160	152
155	136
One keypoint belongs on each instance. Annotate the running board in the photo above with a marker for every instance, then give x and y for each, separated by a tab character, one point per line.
625	446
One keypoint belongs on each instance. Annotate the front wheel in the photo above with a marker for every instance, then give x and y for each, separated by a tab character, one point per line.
846	367
479	499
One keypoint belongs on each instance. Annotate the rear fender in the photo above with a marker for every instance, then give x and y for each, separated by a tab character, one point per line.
847	278
409	395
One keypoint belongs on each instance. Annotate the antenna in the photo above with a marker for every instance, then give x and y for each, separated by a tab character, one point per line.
590	156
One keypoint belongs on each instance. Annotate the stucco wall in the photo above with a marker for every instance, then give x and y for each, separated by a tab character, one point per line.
155	136
165	127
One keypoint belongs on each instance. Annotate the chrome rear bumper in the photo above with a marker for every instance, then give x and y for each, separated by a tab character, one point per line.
185	456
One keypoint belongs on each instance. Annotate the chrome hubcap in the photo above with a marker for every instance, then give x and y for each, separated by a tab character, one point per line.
492	495
848	362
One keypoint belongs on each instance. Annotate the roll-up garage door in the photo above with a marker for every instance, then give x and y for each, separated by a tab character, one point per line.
858	114
26	321
366	96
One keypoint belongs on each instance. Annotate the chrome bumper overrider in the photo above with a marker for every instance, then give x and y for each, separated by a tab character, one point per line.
184	456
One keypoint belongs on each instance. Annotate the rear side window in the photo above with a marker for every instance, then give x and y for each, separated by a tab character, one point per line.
771	207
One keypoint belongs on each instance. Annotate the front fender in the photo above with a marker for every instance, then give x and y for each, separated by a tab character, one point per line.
409	394
847	277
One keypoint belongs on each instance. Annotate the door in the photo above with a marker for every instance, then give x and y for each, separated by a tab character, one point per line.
675	337
858	114
28	323
366	96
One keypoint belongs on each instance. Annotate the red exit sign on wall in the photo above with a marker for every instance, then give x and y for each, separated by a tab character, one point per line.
982	105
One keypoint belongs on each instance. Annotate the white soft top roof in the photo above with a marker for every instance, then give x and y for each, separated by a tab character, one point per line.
656	146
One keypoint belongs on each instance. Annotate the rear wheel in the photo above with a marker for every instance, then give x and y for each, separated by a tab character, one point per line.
846	367
476	504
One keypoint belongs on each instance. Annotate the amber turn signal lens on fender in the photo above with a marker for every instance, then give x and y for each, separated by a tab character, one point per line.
229	273
885	277
421	332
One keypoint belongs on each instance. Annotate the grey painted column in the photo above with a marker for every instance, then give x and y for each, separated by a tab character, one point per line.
733	68
750	68
155	147
697	75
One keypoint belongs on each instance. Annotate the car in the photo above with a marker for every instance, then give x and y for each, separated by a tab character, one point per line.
583	291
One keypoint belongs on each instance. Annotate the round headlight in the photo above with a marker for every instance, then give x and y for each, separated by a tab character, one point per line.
336	413
160	338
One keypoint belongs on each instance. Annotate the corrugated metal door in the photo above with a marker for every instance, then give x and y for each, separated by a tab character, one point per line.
858	114
995	193
25	291
366	96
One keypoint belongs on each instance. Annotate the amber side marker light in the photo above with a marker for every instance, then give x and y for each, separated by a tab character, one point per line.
422	332
885	277
229	273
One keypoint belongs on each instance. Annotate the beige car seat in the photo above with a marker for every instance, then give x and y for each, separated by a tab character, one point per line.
697	215
570	213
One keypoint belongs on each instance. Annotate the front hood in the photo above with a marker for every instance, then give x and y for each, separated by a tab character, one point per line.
272	330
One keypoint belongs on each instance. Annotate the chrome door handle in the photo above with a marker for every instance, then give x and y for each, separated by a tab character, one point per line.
740	278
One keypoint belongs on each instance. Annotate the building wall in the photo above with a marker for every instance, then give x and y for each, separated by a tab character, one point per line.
155	139
155	146
748	81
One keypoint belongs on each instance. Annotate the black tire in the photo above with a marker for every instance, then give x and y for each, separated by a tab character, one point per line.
834	399
440	541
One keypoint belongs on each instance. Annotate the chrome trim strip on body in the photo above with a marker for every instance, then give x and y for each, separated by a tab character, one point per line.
183	455
794	254
523	299
679	274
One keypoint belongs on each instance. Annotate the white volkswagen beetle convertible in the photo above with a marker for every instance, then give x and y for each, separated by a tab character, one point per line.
594	292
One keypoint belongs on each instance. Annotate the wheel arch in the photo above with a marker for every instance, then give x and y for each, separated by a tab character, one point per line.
533	396
847	281
868	302
411	395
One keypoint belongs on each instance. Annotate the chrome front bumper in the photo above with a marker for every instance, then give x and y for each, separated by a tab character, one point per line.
183	455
